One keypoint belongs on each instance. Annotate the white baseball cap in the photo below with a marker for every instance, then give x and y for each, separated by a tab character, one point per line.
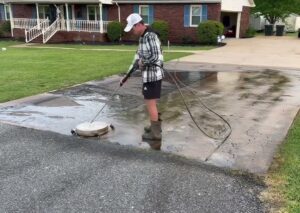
132	19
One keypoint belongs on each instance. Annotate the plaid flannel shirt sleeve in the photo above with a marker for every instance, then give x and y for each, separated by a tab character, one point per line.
151	50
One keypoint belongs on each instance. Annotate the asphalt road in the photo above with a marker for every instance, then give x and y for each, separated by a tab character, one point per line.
48	172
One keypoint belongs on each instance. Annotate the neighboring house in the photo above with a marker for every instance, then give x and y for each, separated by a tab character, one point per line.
86	20
292	23
235	16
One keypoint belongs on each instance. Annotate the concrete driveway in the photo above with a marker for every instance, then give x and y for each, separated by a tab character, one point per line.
258	102
271	52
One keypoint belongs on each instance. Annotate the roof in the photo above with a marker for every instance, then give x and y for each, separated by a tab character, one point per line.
227	5
58	1
166	1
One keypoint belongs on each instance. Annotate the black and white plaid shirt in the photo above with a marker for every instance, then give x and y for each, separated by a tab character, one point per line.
150	52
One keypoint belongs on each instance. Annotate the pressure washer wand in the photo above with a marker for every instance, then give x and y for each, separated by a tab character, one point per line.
133	68
115	91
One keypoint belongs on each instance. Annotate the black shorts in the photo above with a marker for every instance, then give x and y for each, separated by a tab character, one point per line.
151	90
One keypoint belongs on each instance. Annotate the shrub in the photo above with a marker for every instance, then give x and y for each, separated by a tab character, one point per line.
4	28
209	31
250	32
114	31
162	28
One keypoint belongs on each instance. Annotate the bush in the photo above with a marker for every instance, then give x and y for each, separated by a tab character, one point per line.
114	31
250	32
162	28
5	28
209	31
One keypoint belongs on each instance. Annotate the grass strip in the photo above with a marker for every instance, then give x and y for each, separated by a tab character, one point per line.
284	176
29	71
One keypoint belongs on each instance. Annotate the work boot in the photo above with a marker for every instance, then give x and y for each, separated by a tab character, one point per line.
153	138
147	128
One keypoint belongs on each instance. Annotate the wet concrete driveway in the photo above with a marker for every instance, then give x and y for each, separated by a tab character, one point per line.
259	106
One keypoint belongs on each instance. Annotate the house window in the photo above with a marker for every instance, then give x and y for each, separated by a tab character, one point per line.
196	14
144	11
6	11
44	11
93	12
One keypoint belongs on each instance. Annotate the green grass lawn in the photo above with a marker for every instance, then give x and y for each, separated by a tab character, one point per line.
29	71
284	177
128	47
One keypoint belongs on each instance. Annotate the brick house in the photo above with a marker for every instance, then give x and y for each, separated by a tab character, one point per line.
86	20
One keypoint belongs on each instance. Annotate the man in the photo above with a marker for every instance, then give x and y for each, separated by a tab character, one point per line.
150	62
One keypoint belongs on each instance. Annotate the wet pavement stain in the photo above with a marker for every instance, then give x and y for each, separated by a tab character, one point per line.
247	100
269	85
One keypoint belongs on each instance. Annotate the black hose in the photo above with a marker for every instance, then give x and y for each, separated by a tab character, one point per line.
192	117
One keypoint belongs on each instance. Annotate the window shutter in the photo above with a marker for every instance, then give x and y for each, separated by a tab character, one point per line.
204	12
105	14
2	16
151	14
186	15
136	8
34	15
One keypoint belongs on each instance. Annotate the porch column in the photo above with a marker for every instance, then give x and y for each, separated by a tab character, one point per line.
5	13
73	12
119	12
37	15
67	14
238	25
101	21
12	26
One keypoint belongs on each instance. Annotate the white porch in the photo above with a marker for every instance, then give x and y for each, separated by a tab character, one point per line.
74	25
51	18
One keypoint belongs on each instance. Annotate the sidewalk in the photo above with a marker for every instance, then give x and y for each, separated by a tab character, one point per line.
268	52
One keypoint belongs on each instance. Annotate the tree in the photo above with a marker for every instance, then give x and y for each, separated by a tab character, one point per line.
275	10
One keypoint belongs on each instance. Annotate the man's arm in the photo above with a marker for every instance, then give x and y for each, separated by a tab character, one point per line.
153	46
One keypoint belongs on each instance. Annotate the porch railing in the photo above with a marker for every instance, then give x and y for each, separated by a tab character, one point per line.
86	26
33	29
25	23
51	30
75	25
105	23
36	31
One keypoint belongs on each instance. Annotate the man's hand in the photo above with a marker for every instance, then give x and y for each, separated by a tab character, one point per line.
132	68
123	80
141	65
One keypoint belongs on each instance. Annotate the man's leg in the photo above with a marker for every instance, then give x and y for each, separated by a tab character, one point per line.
155	127
151	92
152	109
